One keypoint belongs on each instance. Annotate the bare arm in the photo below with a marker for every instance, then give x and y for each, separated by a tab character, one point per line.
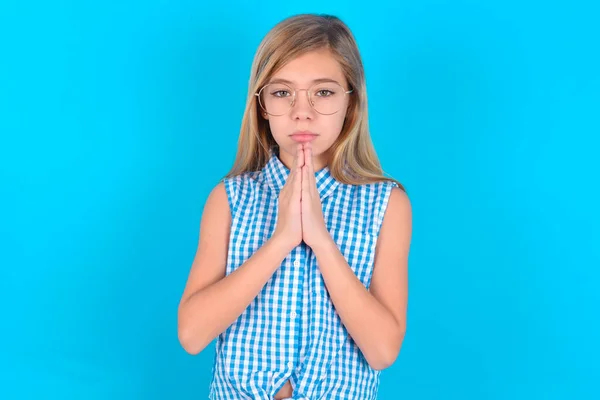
211	301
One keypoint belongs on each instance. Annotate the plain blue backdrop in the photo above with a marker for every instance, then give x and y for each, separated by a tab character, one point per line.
118	118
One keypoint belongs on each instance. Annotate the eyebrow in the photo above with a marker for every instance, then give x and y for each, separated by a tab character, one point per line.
319	80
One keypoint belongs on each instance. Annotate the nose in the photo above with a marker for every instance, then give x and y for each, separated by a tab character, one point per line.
301	108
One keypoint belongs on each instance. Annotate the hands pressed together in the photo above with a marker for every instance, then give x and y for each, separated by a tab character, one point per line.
300	215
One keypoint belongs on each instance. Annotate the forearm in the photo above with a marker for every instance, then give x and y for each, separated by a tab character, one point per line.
211	310
372	327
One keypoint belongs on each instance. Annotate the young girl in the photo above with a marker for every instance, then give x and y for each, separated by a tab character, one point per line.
301	266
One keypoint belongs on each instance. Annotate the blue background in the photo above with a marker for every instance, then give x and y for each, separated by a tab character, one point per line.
118	118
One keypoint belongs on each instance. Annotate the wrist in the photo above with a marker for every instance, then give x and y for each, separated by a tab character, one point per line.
282	245
324	244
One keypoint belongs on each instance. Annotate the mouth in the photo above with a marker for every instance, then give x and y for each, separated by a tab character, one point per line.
303	136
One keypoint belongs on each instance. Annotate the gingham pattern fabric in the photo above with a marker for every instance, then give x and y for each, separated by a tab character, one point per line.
291	330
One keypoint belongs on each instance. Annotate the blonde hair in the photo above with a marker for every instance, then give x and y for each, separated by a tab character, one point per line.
352	156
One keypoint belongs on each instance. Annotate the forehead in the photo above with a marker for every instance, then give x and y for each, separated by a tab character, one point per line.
311	66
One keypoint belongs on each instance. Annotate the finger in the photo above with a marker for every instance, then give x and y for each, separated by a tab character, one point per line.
305	180
298	169
295	163
311	167
298	181
305	147
309	159
300	155
290	178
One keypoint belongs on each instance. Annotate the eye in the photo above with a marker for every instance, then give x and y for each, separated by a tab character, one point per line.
280	93
324	93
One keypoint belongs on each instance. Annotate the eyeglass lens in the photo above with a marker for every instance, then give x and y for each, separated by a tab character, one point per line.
325	98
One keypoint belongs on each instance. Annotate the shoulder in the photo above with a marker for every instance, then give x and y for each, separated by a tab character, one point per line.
399	201
244	183
391	204
218	192
384	193
250	178
216	203
379	201
397	219
228	189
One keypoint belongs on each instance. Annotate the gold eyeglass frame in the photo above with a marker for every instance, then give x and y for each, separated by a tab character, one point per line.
294	90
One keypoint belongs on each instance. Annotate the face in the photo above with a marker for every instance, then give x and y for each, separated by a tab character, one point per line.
302	73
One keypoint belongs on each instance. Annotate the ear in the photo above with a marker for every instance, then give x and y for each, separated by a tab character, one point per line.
265	115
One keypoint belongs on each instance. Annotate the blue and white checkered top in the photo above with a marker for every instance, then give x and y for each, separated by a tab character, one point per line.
291	330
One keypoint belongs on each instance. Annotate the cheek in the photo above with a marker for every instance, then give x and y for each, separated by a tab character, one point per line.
278	128
335	125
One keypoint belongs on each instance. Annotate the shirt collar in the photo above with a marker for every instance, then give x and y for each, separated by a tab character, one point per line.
275	174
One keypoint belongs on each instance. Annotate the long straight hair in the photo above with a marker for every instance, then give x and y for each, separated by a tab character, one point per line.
353	159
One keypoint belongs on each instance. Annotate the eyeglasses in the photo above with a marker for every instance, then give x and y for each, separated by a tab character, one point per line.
326	98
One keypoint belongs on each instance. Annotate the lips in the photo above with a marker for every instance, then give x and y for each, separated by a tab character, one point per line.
303	136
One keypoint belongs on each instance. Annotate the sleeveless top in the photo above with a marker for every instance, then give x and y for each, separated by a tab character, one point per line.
291	330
